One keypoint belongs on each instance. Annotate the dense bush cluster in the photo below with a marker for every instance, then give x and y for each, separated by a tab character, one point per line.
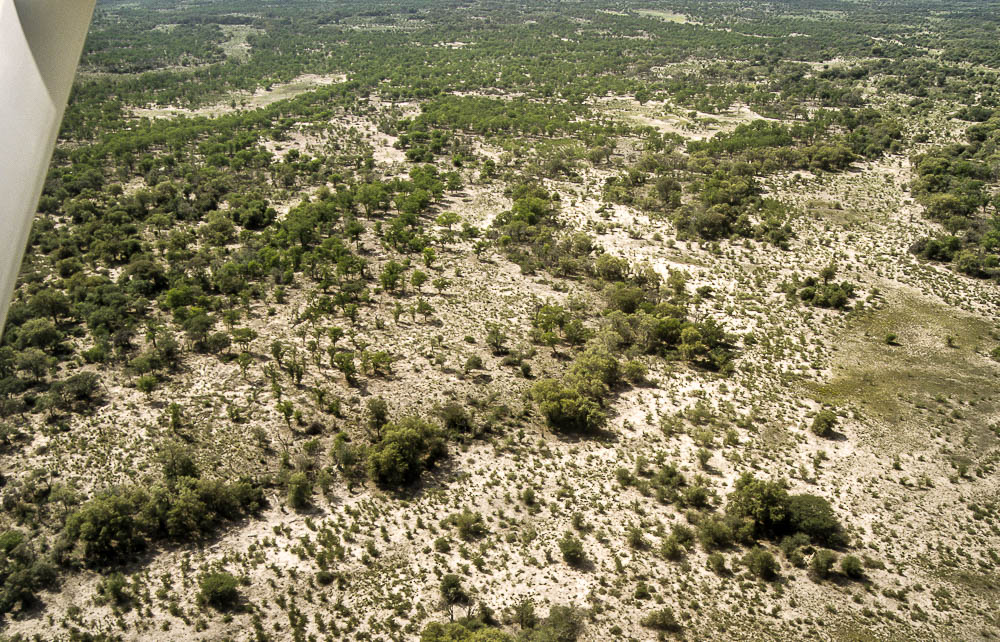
956	186
115	526
563	623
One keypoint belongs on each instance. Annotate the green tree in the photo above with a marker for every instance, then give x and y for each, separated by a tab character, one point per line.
406	448
565	408
417	279
300	491
764	504
823	423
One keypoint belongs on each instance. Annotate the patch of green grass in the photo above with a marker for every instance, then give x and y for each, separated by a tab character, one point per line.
921	366
669	16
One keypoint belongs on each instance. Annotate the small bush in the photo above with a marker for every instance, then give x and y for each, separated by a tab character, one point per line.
671	548
823	423
761	563
469	525
822	563
405	450
571	549
566	409
662	620
814	516
451	589
218	590
300	491
717	563
851	567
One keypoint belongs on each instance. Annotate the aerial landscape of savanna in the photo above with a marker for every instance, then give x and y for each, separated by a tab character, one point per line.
498	321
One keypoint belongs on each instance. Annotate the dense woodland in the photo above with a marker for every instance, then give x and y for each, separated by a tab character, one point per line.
163	244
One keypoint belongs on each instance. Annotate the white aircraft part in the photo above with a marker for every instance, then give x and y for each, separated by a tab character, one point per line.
40	45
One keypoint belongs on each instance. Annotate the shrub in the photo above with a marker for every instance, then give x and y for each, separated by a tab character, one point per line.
635	538
717	563
300	491
451	589
462	631
662	620
823	423
564	624
715	533
764	504
475	362
791	548
671	548
565	408
814	516
114	589
9	540
218	590
176	462
851	567
455	418
761	563
822	563
112	527
406	449
106	527
22	573
571	549
469	525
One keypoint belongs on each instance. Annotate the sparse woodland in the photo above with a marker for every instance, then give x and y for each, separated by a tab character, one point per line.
488	321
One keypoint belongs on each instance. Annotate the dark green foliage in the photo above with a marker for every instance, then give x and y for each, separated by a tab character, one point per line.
662	620
113	527
470	525
23	572
299	491
823	423
717	532
821	291
761	564
793	546
566	409
451	589
765	509
177	461
114	589
378	415
407	448
717	563
572	549
822	563
954	184
462	631
763	504
218	590
814	516
455	418
852	567
107	529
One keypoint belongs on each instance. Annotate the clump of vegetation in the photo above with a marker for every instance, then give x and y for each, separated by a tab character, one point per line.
759	508
822	291
572	549
407	448
823	423
218	590
116	525
662	620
